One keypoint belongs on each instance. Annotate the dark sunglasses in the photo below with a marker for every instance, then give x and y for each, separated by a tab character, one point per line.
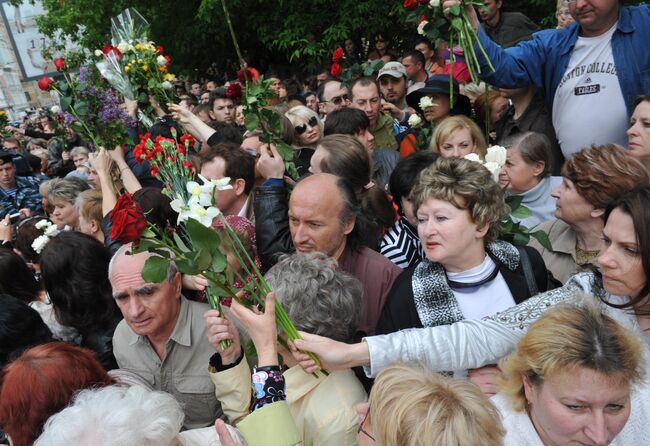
302	128
336	100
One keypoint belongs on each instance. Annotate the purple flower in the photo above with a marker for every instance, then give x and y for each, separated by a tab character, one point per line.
68	118
83	74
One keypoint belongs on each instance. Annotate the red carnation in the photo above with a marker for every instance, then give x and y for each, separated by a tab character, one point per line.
336	70
338	55
168	59
127	220
108	48
45	83
252	74
188	165
234	91
59	63
188	141
422	19
410	4
159	49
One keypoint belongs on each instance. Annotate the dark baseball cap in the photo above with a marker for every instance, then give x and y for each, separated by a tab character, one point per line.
6	156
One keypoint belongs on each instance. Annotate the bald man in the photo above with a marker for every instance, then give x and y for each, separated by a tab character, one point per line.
322	216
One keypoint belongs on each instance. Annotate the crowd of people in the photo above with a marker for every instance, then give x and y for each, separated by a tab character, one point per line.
388	252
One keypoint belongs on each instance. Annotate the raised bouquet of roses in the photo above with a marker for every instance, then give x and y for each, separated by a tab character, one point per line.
433	23
195	247
89	105
511	231
136	66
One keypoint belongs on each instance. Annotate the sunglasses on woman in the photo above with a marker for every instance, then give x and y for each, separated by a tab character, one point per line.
302	128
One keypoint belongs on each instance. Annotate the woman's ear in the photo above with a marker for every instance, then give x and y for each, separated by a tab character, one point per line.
538	168
597	213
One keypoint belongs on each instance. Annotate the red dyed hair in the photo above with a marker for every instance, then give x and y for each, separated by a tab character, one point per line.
41	382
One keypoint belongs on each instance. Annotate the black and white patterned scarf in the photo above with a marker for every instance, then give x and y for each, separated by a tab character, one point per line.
435	301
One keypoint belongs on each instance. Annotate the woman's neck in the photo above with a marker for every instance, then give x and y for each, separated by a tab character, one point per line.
522	102
589	236
470	259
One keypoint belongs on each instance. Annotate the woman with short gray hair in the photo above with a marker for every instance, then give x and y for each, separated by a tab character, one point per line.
319	298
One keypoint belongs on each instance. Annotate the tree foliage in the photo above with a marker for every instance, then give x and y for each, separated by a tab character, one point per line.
275	32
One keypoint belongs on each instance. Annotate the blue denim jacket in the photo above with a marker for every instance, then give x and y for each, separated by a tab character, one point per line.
543	60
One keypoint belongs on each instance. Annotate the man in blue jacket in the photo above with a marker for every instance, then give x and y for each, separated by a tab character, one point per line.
589	73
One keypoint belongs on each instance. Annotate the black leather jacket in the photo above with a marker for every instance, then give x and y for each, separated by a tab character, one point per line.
272	224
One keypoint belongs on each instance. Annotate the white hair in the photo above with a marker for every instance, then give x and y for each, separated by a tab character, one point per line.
128	416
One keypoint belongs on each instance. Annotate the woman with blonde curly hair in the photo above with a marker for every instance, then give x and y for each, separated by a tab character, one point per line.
458	136
593	178
570	379
467	273
410	406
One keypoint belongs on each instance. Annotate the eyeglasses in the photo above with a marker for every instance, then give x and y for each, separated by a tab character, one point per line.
302	128
336	100
361	429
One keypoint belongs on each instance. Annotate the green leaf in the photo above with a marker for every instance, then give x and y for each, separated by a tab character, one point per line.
514	201
180	243
454	10
219	262
457	23
542	238
521	212
202	237
187	266
155	269
81	108
520	239
203	259
65	102
251	121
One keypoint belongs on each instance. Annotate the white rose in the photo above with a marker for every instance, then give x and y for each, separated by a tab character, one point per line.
421	26
39	243
414	121
473	157
99	53
123	46
55	109
494	168
434	3
51	230
160	60
426	102
496	154
42	224
167	85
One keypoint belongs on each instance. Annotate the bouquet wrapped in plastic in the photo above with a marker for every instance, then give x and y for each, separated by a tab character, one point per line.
136	66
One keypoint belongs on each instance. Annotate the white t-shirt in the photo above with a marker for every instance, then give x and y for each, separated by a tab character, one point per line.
589	107
484	300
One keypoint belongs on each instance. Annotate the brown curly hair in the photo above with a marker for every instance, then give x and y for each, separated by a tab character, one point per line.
603	173
467	185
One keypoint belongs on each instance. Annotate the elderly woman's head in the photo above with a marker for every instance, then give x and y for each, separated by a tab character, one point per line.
409	406
319	298
638	133
307	125
41	382
127	416
529	159
62	195
458	136
458	207
573	366
592	178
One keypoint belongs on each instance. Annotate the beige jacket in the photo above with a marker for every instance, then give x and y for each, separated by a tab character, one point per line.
323	408
561	261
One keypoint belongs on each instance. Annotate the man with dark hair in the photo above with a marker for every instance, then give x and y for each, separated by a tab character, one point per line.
365	97
332	95
222	108
323	217
227	160
505	28
392	81
16	193
431	64
414	63
351	121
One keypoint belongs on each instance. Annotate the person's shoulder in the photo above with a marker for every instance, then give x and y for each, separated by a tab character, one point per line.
30	181
376	260
123	335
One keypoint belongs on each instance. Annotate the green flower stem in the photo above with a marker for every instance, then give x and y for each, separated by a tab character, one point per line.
242	63
283	320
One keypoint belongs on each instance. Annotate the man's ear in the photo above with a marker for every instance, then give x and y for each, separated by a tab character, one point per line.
211	115
239	185
349	226
95	226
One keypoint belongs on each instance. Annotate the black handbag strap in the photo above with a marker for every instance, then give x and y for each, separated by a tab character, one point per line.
528	271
